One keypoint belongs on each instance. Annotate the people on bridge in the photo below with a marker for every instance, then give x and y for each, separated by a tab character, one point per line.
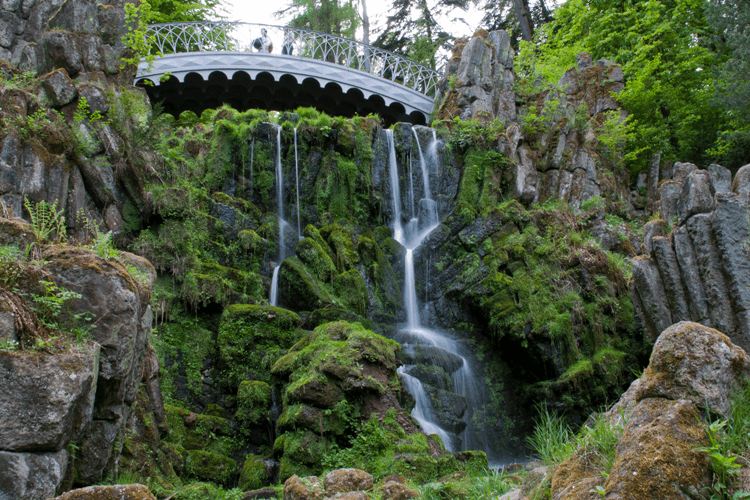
263	43
288	48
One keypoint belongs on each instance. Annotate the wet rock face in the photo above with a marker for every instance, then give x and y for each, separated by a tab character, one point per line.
699	271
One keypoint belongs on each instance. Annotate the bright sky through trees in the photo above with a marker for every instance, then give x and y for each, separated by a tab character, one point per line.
258	11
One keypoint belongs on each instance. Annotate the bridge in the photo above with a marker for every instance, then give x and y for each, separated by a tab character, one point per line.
206	64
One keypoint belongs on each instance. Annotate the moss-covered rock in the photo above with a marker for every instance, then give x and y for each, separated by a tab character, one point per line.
213	283
208	466
248	334
254	474
299	288
253	403
352	289
316	259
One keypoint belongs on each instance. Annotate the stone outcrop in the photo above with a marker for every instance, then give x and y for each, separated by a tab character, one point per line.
75	47
117	492
699	270
85	396
551	137
692	371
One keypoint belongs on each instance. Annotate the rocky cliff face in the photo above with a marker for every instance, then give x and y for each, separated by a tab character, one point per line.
66	406
67	133
555	138
695	264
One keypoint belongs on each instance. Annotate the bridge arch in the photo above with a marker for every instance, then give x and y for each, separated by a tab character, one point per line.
345	78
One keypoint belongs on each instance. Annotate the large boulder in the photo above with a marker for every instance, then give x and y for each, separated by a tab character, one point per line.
111	295
693	362
31	476
657	456
116	492
345	480
308	488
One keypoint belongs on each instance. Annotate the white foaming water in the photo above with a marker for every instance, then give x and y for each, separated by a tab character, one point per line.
274	286
296	176
398	232
422	411
279	191
273	298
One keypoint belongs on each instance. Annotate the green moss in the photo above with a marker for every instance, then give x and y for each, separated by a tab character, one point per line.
316	260
251	337
253	475
299	287
289	467
305	447
351	288
213	283
253	403
208	466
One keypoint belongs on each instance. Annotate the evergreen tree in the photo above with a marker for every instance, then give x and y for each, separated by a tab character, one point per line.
412	29
336	17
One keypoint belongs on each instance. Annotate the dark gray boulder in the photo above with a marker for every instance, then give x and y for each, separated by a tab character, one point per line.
31	476
46	400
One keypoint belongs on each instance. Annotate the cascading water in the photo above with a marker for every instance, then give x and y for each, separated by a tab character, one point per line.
273	298
446	352
296	176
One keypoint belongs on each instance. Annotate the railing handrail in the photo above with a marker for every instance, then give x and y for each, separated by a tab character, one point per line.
203	36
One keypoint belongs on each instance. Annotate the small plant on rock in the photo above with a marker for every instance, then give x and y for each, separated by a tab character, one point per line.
46	220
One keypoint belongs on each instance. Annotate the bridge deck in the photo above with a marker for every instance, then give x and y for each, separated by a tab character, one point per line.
202	68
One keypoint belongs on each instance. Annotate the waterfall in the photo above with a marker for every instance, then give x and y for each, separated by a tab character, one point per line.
296	176
446	352
273	298
398	232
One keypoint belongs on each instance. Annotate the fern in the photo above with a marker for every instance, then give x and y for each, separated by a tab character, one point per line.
45	220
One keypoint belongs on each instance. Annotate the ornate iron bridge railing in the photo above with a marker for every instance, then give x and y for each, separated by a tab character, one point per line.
244	37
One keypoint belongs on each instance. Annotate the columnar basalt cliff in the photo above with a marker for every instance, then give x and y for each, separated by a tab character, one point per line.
695	263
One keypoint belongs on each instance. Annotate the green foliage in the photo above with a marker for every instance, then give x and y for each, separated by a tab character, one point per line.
46	220
9	269
668	75
728	441
337	17
50	303
596	446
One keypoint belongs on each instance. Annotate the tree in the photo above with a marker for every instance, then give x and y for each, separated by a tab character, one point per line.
181	11
730	20
668	70
337	17
506	15
413	31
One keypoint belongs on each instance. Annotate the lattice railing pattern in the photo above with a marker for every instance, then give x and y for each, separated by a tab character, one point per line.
228	36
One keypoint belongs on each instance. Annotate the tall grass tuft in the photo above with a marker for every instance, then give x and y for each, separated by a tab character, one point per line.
552	439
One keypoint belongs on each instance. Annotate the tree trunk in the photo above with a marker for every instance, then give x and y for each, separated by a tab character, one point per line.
524	19
366	34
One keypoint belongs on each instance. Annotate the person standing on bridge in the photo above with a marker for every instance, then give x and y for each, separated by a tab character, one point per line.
288	48
263	43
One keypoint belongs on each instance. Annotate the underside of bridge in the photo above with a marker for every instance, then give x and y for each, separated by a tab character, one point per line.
242	92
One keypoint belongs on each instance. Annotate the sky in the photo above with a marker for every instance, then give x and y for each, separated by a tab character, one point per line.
261	11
